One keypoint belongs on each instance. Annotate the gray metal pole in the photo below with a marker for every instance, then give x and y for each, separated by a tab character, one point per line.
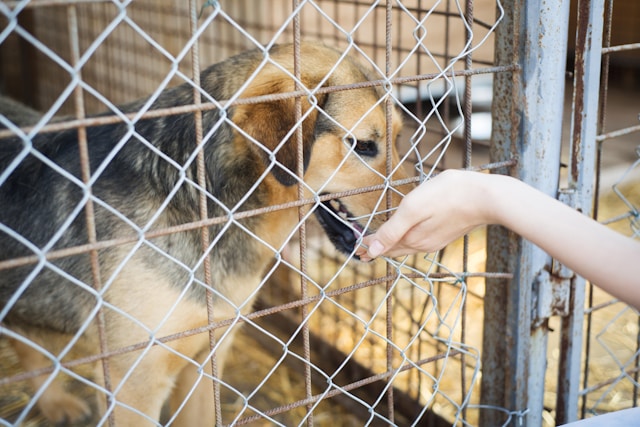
528	123
588	59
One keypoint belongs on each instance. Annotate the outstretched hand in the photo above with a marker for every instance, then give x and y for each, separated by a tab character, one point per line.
455	202
431	216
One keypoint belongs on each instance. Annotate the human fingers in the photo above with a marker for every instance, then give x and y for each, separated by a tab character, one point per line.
390	234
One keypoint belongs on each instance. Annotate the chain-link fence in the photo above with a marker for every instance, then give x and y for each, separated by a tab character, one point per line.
188	258
375	343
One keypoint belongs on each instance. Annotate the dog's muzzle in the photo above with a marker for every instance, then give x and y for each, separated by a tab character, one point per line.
336	221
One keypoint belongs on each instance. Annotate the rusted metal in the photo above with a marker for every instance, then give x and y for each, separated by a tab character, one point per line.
600	385
500	242
551	296
202	200
553	288
251	316
606	42
207	106
514	351
587	67
388	203
621	48
195	225
466	162
543	83
617	133
302	230
83	150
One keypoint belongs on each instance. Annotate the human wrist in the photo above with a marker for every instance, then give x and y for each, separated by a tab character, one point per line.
510	201
489	192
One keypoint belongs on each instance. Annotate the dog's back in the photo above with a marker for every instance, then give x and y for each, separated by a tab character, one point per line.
143	179
137	172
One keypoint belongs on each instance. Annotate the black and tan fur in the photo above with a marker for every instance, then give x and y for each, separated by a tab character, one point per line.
144	173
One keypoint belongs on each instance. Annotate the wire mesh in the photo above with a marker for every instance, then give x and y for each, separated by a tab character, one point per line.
394	342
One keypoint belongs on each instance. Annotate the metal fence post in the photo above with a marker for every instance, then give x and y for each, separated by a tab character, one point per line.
527	117
588	55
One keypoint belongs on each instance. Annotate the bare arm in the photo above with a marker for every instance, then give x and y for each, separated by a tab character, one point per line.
455	202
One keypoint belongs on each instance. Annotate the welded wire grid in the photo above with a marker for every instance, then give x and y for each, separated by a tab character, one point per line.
612	339
396	341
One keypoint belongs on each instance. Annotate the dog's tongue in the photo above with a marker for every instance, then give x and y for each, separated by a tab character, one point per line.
358	231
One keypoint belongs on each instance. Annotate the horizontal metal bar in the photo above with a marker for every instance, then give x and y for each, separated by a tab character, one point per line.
207	106
190	226
42	3
348	387
228	322
618	133
610	381
620	48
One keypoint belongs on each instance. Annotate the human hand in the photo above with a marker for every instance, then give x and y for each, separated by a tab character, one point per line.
433	215
453	203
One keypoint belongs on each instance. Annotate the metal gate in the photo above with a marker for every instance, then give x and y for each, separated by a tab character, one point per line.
546	295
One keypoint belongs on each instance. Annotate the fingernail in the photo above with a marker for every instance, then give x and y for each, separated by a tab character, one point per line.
375	249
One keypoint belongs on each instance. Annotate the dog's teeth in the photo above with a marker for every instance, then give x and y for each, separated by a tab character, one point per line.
335	205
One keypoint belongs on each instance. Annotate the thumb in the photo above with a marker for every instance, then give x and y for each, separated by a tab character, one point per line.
389	234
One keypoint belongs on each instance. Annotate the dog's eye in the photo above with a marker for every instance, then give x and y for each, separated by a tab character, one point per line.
366	148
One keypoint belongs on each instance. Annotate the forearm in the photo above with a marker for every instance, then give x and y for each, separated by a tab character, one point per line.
455	202
599	254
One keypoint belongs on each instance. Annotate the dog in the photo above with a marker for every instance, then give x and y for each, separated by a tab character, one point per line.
144	179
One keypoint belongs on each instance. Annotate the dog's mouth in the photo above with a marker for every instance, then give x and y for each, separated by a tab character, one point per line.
339	225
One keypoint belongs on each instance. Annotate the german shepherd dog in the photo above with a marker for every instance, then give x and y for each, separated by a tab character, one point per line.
143	178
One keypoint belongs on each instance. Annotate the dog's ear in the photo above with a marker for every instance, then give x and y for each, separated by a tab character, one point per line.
270	122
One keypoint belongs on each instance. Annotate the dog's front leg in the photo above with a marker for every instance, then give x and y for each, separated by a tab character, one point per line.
194	389
56	404
139	395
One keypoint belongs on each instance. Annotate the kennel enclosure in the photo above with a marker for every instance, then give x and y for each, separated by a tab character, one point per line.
436	339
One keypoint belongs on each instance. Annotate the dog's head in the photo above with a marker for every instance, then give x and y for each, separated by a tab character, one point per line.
344	137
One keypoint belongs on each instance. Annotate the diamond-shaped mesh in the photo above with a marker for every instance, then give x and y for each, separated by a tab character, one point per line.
314	336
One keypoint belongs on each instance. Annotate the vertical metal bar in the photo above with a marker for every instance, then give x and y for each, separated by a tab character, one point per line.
202	182
83	150
389	160
527	119
588	48
500	242
601	127
301	211
436	366
418	379
446	60
636	365
466	163
418	57
543	83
